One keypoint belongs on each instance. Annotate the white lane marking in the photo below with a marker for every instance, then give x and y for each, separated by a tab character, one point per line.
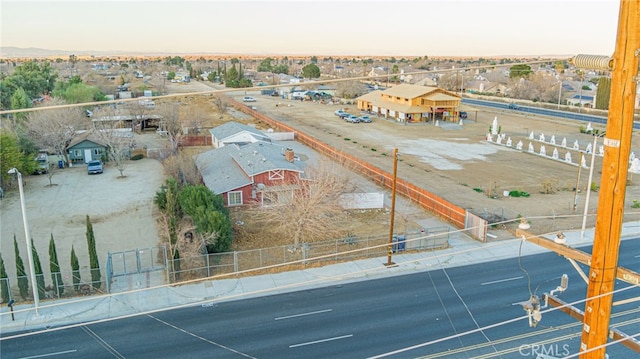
501	280
50	354
303	314
201	338
320	341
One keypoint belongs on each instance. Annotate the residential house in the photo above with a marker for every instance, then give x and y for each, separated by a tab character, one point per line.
582	101
256	172
412	103
236	133
86	147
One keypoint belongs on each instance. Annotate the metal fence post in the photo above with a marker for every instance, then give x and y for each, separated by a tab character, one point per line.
109	273
235	262
208	265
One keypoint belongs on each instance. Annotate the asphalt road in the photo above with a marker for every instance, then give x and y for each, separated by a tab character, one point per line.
428	314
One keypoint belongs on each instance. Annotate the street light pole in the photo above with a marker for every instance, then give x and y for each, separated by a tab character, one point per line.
559	94
34	284
586	205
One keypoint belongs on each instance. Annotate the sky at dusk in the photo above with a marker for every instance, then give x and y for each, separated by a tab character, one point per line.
342	28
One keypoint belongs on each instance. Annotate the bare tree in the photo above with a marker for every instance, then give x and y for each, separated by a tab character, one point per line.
54	129
195	117
137	110
221	103
183	168
309	210
170	124
117	138
349	89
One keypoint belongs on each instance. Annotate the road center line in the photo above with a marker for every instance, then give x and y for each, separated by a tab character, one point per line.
50	354
303	314
320	341
501	280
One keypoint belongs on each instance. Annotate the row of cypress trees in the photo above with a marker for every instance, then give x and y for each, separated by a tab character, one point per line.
54	268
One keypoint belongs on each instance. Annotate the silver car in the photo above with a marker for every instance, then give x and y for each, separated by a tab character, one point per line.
94	166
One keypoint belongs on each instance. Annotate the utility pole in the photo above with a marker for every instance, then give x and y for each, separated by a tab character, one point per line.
393	207
617	146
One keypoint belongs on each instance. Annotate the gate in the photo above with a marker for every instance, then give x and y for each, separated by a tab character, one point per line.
132	262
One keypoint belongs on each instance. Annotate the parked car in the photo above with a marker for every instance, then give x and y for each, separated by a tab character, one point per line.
338	113
365	119
352	119
43	163
344	115
513	106
94	166
248	99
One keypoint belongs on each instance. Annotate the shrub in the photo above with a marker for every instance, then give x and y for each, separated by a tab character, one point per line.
479	190
636	204
137	157
518	194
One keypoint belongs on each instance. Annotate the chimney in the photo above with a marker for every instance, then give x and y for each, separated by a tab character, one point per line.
288	155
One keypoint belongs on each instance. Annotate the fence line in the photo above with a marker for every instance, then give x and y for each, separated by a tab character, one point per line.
425	199
54	290
342	249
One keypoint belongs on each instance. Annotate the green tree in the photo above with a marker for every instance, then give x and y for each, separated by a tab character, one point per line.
23	282
311	71
314	60
265	65
518	71
232	77
37	269
94	263
34	78
75	270
603	95
11	156
20	100
54	267
4	282
171	75
281	69
209	215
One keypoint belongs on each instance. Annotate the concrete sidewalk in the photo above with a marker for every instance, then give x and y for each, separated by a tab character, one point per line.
462	251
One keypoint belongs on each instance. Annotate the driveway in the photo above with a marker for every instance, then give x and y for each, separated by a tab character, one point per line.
121	211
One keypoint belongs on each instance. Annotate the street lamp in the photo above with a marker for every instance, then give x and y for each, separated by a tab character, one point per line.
586	205
559	94
34	285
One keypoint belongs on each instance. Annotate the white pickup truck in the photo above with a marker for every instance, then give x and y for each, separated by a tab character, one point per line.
43	163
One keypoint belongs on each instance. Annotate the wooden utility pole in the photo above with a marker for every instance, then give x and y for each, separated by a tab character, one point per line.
617	144
393	207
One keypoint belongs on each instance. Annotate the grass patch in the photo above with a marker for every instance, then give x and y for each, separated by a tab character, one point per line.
347	139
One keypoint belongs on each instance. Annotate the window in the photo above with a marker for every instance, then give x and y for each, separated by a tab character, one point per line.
234	198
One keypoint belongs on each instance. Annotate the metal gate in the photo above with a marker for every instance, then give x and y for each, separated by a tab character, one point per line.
136	261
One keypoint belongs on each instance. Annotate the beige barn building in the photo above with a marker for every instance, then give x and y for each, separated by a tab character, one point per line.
412	103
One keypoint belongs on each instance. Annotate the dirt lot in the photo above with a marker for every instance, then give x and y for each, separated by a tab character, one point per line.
452	160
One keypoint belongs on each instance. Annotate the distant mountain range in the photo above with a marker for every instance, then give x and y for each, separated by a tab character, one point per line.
21	52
